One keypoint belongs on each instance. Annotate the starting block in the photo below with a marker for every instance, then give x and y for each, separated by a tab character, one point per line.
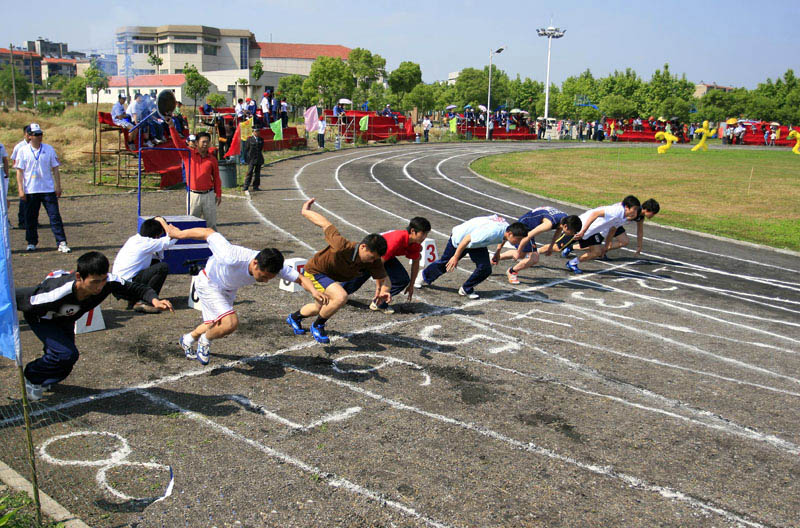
91	321
194	300
429	252
300	265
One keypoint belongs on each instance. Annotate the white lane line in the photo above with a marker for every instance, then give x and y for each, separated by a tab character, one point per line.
479	322
605	471
674	328
703	418
266	222
427	334
331	479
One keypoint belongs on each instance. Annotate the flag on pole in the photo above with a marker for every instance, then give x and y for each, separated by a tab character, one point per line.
277	131
454	124
243	132
312	118
9	323
363	123
246	128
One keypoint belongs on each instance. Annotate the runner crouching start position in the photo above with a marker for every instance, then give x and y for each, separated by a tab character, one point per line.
341	260
229	268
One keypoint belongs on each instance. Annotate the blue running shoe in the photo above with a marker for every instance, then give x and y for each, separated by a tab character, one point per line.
202	353
566	252
574	268
296	326
188	350
320	335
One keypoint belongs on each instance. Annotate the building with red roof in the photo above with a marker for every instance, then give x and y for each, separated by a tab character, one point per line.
296	59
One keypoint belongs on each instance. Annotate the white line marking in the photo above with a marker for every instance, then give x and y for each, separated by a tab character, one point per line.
426	334
266	222
116	459
606	471
332	417
712	421
387	362
329	478
600	301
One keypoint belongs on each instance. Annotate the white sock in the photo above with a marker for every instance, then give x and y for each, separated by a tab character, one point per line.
188	339
204	340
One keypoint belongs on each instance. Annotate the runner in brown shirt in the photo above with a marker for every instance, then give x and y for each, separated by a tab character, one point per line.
341	260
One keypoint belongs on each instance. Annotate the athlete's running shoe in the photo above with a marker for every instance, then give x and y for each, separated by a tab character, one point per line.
319	333
472	295
297	327
573	267
512	276
203	352
566	252
33	390
382	307
187	349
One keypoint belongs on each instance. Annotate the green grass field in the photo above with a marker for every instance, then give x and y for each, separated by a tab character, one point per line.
751	195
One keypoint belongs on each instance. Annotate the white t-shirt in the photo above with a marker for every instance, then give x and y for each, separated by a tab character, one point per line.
426	124
228	268
239	110
484	231
16	150
265	105
321	126
37	168
614	216
284	106
137	254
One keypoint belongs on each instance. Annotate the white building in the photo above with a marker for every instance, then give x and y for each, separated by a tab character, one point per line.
144	84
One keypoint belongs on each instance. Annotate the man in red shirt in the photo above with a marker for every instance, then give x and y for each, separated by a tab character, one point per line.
205	189
400	243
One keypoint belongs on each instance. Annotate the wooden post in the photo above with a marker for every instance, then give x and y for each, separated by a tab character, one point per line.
94	138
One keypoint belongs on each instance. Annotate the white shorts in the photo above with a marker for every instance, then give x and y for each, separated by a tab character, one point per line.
215	302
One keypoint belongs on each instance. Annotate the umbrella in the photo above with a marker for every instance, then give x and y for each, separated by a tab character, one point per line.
345	101
515	111
450	107
675	119
468	106
481	108
525	112
732	121
661	119
775	123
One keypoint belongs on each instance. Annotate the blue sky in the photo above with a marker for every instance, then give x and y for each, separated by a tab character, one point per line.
733	42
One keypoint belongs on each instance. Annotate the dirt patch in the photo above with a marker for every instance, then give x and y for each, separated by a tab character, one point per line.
555	421
453	374
477	393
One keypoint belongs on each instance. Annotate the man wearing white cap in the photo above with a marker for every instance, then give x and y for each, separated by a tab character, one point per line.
39	182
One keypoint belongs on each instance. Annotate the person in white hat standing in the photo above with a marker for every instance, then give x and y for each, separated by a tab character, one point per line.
39	182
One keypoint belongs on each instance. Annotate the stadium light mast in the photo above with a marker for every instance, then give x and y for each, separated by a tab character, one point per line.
489	96
550	32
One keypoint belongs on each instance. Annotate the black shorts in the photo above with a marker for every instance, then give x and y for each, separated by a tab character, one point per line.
620	231
594	240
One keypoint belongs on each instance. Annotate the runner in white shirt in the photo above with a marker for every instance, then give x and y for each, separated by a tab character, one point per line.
599	228
134	262
4	170
230	268
39	182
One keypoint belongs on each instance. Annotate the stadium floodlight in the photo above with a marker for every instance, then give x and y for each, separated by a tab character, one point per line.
550	32
489	96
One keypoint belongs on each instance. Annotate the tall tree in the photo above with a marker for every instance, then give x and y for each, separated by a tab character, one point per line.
420	97
197	86
257	71
405	77
329	80
366	67
75	90
472	87
97	80
291	87
6	85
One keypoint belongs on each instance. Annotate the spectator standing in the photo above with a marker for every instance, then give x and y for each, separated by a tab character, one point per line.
426	127
264	104
239	109
39	182
284	113
321	132
205	189
253	148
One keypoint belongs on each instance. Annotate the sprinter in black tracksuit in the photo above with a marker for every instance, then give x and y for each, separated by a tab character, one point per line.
52	307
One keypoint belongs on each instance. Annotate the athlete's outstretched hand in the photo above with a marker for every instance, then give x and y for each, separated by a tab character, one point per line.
307	205
163	304
451	264
409	291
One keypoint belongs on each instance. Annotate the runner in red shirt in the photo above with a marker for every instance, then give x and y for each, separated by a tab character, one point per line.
400	243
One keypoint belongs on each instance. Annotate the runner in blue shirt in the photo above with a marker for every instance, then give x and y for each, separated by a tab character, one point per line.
537	222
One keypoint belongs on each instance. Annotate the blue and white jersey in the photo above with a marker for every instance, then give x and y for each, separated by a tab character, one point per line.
533	219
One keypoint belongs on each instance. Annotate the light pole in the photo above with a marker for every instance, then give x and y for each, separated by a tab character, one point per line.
489	96
551	33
